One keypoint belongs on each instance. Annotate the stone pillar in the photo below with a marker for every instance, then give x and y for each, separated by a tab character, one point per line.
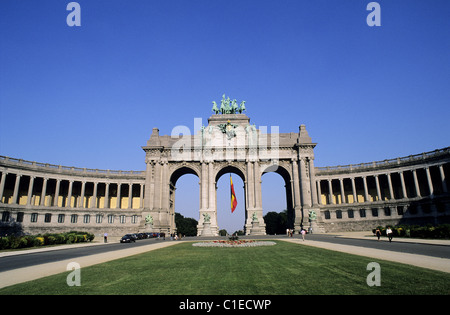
16	189
130	195
444	184
250	186
391	191
377	184
341	184
83	189
141	196
30	190
304	183
204	187
58	184
118	205
355	196
296	195
319	192
69	194
430	182
416	184
402	180
44	191
93	203
312	178
2	185
106	204
330	191
366	191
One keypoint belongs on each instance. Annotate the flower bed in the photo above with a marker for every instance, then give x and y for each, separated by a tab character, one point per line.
240	243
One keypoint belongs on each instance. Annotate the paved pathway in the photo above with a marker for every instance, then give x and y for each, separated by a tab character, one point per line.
20	275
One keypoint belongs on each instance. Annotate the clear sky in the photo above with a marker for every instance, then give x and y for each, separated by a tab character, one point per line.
89	96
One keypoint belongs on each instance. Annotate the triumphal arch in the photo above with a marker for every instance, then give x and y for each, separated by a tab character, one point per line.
228	144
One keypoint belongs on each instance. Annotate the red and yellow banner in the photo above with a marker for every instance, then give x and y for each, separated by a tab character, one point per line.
233	197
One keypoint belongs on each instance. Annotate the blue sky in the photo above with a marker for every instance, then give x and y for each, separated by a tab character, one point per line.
89	96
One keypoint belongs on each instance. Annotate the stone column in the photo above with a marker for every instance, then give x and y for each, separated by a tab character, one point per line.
204	187
430	183
2	185
16	189
341	184
402	180
94	196
319	192
391	191
416	184
377	184
296	195
118	195
58	184
251	186
44	191
69	194
444	184
330	191
312	178
106	204
130	195
355	196
30	190
83	189
141	196
366	191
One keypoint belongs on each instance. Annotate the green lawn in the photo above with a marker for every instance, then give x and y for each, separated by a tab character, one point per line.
284	268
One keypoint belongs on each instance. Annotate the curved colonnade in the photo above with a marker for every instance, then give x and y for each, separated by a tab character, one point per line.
410	190
38	198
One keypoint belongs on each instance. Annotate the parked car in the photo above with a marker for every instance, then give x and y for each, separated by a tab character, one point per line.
127	238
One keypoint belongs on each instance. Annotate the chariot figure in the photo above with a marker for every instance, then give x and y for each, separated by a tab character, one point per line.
215	109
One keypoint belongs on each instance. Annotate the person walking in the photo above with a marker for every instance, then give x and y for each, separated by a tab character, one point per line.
303	232
378	233
105	237
389	234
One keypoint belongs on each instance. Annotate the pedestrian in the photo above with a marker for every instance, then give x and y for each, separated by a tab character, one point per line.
105	237
389	234
303	232
378	233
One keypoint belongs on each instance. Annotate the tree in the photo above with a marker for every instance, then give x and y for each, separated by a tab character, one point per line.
185	226
276	223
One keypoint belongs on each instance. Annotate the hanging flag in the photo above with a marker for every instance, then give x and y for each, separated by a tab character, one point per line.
233	197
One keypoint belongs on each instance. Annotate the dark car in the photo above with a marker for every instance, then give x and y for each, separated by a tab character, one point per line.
127	238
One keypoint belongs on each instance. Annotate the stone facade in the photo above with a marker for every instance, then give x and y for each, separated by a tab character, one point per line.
37	197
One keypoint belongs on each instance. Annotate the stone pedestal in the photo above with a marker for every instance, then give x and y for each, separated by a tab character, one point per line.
315	227
207	229
256	229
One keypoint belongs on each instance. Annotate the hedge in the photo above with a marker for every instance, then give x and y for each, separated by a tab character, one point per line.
441	231
14	242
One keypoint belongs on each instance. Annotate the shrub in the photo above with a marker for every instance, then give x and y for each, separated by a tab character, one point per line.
40	241
428	231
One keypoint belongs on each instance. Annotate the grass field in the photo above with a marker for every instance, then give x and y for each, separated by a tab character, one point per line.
284	268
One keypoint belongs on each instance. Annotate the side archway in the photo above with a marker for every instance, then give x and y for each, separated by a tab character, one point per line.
289	206
189	207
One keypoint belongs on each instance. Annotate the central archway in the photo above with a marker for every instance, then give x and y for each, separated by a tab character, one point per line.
226	220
